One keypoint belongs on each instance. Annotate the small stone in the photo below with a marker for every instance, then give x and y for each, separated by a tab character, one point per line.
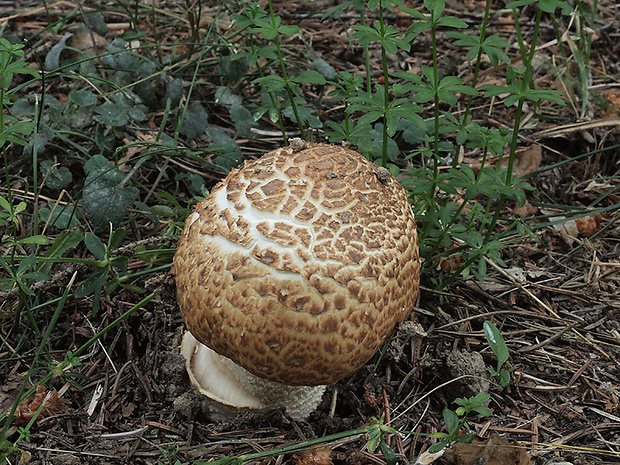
297	144
383	174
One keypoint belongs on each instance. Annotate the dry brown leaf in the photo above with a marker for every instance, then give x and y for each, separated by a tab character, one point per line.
568	230
613	103
589	225
319	456
495	450
527	160
26	410
526	211
89	42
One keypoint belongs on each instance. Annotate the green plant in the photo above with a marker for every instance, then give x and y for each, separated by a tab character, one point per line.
456	421
169	453
106	265
269	26
8	447
500	349
11	65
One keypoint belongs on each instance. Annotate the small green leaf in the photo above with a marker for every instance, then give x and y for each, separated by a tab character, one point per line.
52	59
374	436
504	378
439	446
65	241
390	456
105	199
195	121
310	77
116	238
497	343
163	211
37	240
451	21
479	399
325	69
484	411
271	83
451	419
95	246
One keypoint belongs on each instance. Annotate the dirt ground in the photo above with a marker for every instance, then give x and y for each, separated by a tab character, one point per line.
557	305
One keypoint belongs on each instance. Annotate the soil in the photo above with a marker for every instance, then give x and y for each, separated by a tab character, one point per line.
557	305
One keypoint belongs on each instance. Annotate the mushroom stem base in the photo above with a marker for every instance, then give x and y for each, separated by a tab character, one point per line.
232	387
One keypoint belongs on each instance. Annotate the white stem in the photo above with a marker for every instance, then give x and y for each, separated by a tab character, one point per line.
233	387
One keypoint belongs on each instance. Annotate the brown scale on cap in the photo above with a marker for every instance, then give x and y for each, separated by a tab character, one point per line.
299	266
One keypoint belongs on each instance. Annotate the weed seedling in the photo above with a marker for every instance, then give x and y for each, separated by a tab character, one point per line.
499	348
456	421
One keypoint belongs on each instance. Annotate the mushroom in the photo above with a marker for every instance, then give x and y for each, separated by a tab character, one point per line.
291	274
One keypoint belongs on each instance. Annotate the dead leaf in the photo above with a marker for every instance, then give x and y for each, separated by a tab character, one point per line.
526	211
319	456
128	409
495	450
26	410
89	42
426	458
527	160
567	229
613	103
589	225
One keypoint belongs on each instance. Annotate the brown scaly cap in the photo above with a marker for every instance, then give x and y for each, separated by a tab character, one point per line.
299	266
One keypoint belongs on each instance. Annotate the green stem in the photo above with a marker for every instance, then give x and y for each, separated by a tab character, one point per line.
289	91
483	28
435	180
362	12
386	92
517	125
288	449
272	96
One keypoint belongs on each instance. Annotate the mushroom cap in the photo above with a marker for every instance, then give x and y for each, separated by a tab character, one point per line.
299	265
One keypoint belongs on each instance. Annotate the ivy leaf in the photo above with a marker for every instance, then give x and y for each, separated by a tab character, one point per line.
123	108
61	217
195	121
229	154
56	177
82	97
105	198
243	119
52	59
